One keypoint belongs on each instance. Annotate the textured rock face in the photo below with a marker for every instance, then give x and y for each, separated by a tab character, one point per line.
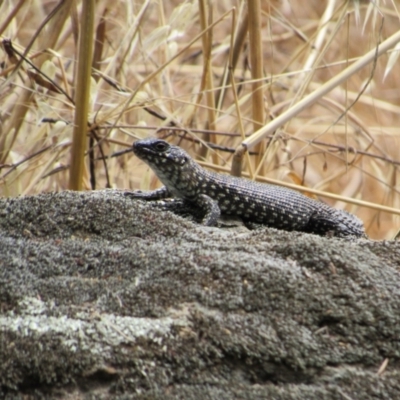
105	296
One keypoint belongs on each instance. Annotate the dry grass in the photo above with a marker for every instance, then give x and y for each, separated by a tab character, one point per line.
165	68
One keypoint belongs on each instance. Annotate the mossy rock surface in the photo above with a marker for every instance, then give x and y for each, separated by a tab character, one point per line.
102	296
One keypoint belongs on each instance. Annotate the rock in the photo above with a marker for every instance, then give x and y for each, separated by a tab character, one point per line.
104	296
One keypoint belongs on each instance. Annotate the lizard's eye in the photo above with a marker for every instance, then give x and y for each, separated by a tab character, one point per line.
161	146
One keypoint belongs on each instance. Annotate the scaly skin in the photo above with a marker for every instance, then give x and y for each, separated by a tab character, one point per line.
254	202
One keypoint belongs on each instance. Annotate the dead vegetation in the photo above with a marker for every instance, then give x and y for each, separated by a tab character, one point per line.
184	70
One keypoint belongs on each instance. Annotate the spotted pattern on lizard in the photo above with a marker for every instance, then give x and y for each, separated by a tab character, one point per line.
254	202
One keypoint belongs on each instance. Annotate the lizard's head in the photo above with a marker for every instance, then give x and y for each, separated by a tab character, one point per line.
158	153
173	166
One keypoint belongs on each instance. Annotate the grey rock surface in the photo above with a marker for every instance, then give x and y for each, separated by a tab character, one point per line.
102	296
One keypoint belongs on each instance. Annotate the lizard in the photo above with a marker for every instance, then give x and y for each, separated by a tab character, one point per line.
259	203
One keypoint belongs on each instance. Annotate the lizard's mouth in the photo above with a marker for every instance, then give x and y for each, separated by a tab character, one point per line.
141	151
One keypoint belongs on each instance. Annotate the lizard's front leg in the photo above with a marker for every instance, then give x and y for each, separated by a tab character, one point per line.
158	194
211	209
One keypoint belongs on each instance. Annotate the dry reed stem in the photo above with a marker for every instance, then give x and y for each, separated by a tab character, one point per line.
205	13
237	160
82	95
236	47
257	73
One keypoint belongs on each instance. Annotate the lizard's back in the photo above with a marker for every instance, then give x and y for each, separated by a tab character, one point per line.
277	206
